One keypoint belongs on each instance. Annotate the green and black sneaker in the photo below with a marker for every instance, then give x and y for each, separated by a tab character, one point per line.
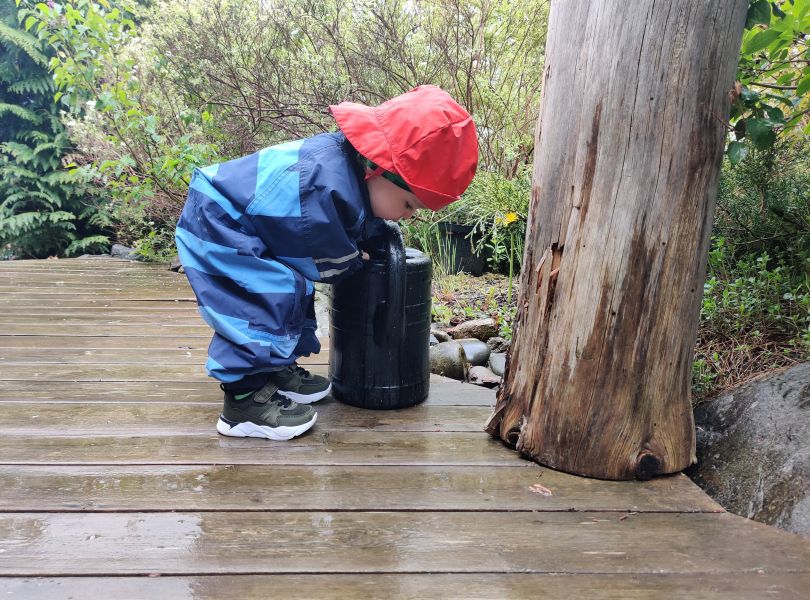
299	385
264	413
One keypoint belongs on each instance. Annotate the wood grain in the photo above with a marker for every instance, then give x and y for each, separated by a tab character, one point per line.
342	488
53	544
115	485
417	586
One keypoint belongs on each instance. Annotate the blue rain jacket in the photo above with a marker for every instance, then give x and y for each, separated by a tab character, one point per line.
255	233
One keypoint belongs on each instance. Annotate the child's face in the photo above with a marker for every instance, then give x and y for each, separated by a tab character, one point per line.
389	201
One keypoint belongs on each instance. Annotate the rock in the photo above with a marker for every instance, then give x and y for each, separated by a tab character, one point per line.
498	344
485	377
480	329
176	266
432	341
448	359
119	251
753	447
497	362
476	351
440	335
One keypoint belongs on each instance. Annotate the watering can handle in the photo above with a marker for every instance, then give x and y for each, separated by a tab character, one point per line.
397	269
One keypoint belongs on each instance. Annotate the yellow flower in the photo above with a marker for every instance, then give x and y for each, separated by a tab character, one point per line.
509	217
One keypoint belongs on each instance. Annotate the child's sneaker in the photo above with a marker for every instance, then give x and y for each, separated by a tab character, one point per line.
264	413
299	385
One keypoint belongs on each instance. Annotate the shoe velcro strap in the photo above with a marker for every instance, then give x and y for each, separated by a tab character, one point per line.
264	395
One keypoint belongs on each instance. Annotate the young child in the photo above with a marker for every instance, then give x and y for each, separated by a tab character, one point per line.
257	231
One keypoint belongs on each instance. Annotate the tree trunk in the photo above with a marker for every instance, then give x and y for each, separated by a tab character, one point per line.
627	156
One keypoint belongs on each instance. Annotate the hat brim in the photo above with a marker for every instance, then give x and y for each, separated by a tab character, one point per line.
361	126
431	199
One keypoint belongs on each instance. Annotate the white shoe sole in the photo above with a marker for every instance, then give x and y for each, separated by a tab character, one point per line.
306	398
279	434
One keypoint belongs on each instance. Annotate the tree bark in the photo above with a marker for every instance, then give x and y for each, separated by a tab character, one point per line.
628	150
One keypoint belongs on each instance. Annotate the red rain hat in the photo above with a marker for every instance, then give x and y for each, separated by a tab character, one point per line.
423	136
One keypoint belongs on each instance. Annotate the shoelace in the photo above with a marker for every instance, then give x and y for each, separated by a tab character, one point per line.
284	401
301	371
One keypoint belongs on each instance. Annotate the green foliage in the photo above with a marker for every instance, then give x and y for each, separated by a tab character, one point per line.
293	58
150	94
42	210
763	204
771	98
137	145
756	308
748	294
497	207
425	236
460	297
755	316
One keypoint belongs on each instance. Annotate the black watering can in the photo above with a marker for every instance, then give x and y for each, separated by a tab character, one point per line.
379	328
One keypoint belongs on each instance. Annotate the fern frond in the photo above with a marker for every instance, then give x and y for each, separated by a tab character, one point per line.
24	197
20	112
48	146
22	154
12	199
35	135
14	225
42	84
61	216
12	171
63	177
11	37
87	243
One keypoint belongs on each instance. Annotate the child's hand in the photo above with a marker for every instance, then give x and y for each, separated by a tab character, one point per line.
365	255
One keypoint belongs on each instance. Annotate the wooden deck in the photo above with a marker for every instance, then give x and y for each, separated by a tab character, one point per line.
114	483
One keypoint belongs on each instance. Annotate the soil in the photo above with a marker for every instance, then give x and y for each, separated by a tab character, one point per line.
461	297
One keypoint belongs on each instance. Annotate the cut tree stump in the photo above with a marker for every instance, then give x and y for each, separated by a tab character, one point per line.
628	150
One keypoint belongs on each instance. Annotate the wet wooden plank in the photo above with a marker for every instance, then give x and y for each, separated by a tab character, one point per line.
105	263
166	419
81	274
144	295
726	586
100	356
319	446
92	330
48	369
80	271
100	341
73	304
443	391
247	487
43	371
62	286
56	544
146	314
141	321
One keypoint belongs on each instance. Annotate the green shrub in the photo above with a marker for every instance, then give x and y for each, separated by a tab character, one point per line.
756	307
292	59
497	207
44	209
770	98
755	317
763	203
134	137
